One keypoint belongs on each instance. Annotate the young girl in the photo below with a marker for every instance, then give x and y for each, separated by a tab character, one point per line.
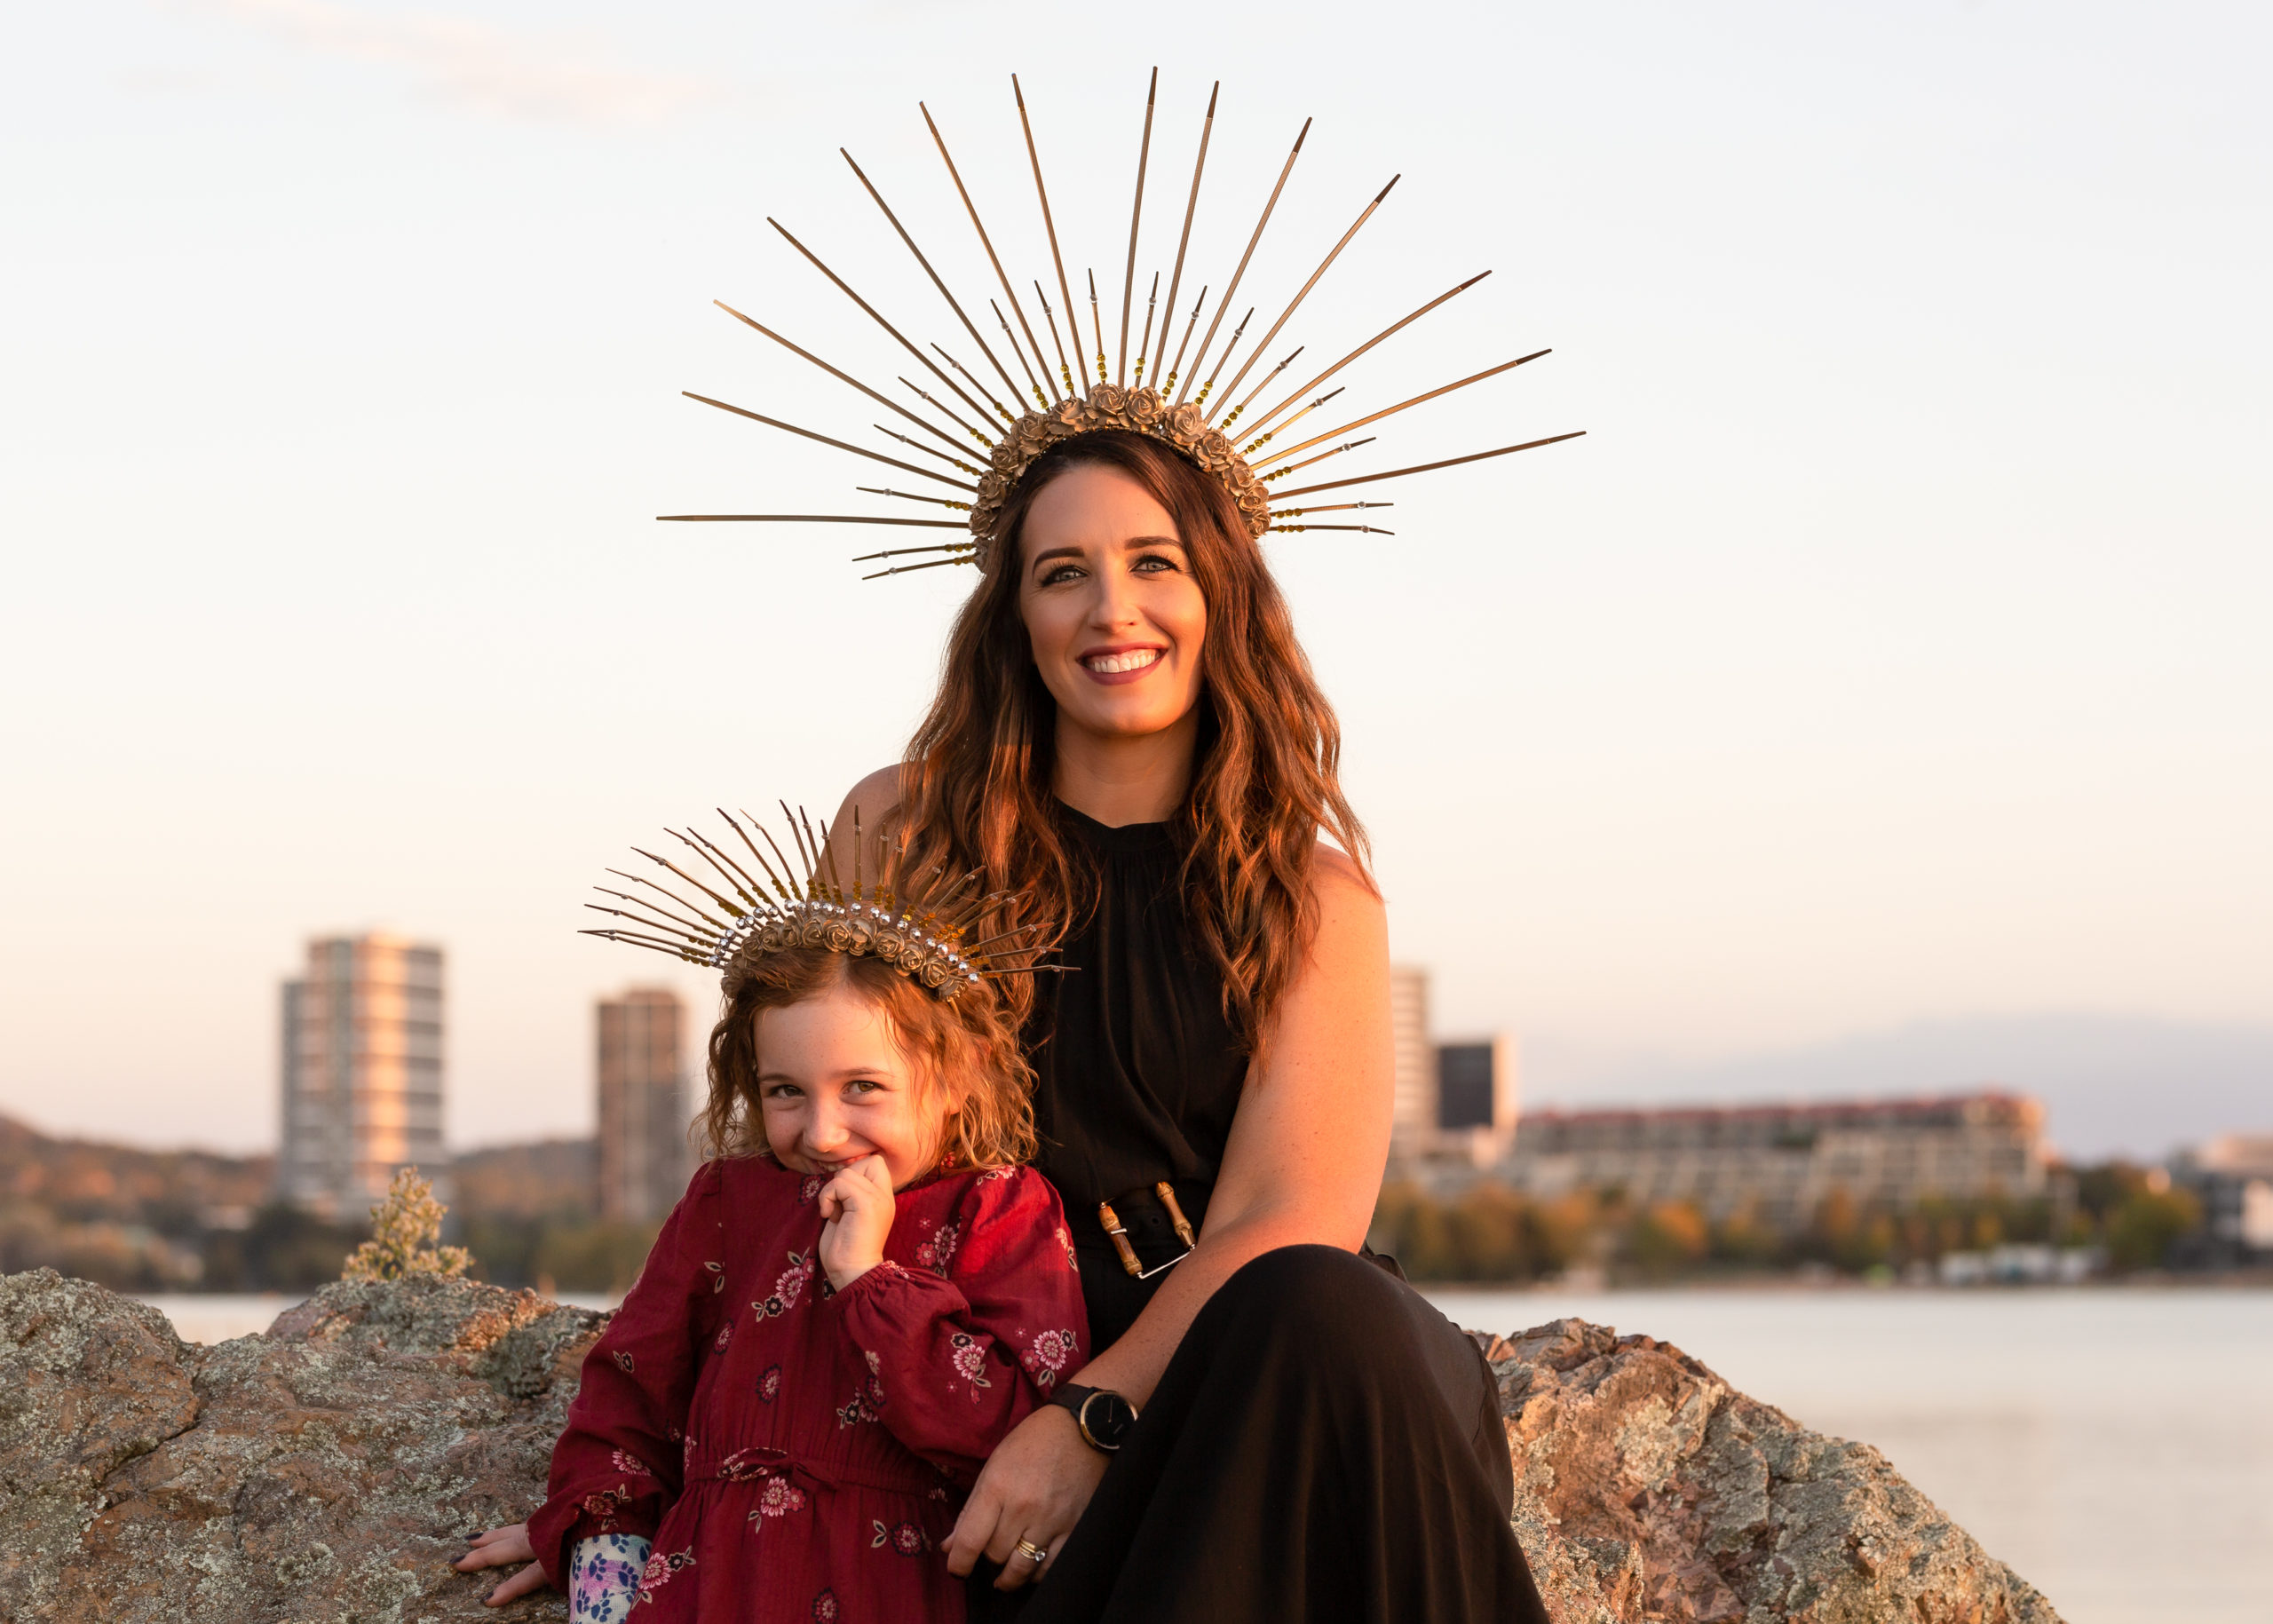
849	1308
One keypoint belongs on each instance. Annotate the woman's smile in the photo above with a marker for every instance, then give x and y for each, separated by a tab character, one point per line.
1121	664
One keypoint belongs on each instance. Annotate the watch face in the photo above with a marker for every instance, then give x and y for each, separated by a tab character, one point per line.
1106	1418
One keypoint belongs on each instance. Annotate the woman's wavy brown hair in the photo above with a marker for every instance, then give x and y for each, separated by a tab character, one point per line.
970	1044
976	788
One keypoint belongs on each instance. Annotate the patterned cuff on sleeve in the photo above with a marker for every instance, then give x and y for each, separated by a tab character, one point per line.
604	1577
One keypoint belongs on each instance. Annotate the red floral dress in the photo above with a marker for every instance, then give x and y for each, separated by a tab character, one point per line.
796	1453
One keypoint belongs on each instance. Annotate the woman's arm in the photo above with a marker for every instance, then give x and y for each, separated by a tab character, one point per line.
1303	1164
1311	1135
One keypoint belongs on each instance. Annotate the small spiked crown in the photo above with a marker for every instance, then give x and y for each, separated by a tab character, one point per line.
1076	404
921	927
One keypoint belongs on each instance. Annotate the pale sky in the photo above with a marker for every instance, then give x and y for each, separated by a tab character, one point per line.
1891	652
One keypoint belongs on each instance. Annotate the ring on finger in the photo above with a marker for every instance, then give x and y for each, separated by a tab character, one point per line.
1032	1552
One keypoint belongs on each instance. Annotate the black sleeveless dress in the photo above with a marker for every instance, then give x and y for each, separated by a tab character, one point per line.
1323	1445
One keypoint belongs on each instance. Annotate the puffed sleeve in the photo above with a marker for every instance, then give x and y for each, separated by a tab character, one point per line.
962	1350
617	1467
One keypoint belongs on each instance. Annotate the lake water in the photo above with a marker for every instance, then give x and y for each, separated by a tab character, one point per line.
2114	1445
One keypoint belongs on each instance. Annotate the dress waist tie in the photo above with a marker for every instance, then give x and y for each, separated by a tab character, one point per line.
803	1475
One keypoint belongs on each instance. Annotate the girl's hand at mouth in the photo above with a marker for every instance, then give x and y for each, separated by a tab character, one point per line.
856	1209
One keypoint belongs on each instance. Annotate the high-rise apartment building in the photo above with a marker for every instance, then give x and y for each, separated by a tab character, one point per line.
1413	1100
362	1071
645	1159
1451	1103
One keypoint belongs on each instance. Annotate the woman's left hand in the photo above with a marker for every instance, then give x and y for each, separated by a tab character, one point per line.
1035	1487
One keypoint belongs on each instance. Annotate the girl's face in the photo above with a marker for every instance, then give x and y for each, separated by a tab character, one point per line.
835	1086
1110	607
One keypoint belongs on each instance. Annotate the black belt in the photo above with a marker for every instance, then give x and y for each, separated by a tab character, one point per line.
1150	1219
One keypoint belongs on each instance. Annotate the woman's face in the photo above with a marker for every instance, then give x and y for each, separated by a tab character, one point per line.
1110	604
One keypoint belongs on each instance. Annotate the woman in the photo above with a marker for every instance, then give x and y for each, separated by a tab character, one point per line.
1128	729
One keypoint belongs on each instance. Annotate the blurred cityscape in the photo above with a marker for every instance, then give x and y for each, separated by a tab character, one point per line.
1951	1189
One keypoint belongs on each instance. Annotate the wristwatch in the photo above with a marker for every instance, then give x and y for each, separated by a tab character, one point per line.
1104	1417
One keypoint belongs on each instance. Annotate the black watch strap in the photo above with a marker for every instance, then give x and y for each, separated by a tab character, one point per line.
1102	1423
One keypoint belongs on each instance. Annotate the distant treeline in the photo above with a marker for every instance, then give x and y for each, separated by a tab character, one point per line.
1491	1232
141	1221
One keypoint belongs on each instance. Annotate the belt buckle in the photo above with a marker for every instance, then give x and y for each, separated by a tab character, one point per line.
1129	1262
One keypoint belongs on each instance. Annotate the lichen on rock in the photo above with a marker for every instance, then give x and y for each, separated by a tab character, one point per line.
331	1470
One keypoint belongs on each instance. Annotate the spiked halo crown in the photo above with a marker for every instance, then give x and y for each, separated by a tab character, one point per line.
1075	403
920	925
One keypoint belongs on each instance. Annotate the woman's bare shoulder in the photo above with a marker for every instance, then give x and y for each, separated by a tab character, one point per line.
874	796
1340	884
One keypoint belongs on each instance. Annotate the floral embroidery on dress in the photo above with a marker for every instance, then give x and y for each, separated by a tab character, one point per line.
788	1288
825	1607
810	1188
866	1403
659	1570
621	1359
724	1331
969	1355
624	1461
1073	1260
769	1385
1046	1356
993	1174
719	1277
908	1538
779	1498
939	1249
606	1503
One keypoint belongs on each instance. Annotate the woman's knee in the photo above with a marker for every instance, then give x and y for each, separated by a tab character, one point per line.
1335	1296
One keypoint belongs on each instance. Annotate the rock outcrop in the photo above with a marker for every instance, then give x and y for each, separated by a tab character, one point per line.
330	1470
1647	1488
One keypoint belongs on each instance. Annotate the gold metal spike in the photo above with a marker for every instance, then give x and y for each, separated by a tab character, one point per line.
927	450
1388	411
874	456
1235	411
909	569
1176	277
984	240
1292	304
1272	203
1450	462
944	502
1065	288
846	289
1347	445
1263	439
1135	213
1189	327
1064	370
938	406
846	378
1032	382
936	281
1331	507
1392	329
1097	325
905	552
1007	414
1229	349
1368	529
1144	345
810	519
